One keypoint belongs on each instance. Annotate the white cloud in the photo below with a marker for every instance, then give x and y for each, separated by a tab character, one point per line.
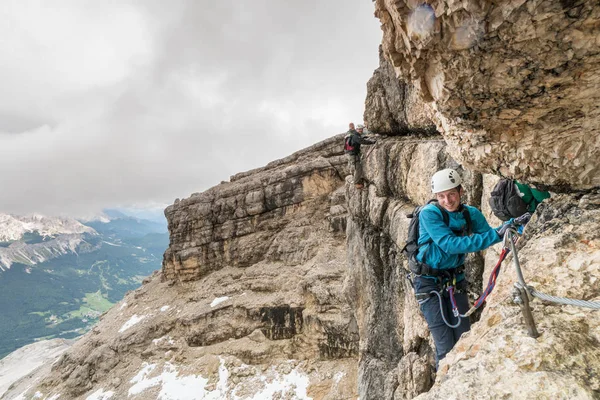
52	51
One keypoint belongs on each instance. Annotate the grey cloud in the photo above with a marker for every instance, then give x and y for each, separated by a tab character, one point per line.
228	86
16	122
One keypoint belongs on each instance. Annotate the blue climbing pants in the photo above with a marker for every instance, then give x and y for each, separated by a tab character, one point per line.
444	337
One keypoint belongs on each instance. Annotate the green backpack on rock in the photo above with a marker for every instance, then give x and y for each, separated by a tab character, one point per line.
511	199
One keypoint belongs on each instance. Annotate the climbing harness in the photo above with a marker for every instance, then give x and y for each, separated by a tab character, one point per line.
450	289
522	293
422	298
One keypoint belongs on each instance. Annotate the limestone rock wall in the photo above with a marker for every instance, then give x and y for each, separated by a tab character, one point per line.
288	275
266	214
512	85
396	355
323	309
394	107
559	253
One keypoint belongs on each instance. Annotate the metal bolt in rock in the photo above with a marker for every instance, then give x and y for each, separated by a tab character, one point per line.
521	297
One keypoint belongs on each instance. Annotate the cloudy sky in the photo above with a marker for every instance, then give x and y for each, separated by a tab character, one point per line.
138	102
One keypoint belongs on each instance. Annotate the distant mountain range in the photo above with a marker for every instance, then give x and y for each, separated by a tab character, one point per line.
57	275
36	239
120	224
14	227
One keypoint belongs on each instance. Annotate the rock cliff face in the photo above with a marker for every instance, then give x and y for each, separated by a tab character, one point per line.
512	85
394	106
263	215
323	310
249	303
512	88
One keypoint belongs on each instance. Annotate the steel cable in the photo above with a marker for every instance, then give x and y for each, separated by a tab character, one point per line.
553	299
564	300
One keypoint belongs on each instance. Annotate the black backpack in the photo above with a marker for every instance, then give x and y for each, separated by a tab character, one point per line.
506	202
411	248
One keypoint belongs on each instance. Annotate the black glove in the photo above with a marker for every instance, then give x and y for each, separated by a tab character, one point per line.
523	219
504	227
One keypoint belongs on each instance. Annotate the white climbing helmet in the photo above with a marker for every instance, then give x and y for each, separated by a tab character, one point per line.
360	126
445	179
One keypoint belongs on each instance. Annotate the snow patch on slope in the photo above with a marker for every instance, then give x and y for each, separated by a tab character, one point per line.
132	321
100	394
25	360
218	301
271	384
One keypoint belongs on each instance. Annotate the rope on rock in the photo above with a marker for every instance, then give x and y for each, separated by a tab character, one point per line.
370	150
493	276
491	284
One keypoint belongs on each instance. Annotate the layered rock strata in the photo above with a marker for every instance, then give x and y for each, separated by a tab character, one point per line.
249	303
332	315
251	298
263	215
512	86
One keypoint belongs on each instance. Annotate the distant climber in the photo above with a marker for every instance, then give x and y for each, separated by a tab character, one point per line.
511	199
447	230
352	142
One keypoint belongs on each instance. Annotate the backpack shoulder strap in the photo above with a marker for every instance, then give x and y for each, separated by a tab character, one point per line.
445	215
467	216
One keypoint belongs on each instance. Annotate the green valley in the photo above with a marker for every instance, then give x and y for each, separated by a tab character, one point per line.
63	297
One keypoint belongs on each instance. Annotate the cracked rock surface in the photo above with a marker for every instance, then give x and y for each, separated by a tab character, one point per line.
512	85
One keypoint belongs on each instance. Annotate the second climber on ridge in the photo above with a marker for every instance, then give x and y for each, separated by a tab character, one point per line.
448	230
352	142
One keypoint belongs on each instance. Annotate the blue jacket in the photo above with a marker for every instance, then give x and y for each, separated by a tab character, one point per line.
447	249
